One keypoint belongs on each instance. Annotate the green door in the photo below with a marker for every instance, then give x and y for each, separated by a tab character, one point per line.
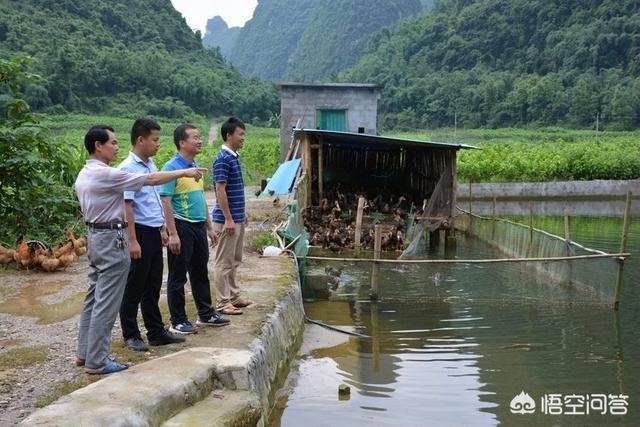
332	120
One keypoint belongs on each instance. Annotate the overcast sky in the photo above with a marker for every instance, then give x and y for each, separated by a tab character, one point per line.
198	12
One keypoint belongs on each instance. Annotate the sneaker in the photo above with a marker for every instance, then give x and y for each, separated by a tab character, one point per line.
167	338
109	366
136	344
183	328
214	320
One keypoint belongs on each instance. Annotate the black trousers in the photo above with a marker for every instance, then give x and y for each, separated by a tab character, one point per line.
143	287
192	259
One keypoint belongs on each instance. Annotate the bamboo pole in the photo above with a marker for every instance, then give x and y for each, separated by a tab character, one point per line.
375	270
621	255
623	246
493	218
320	172
359	226
567	239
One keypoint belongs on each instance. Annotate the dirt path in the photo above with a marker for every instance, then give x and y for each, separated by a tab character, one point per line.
38	326
213	131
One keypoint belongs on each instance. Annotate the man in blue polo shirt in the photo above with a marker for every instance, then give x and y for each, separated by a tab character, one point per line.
147	236
229	218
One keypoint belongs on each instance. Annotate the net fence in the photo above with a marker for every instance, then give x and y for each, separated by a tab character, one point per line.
589	278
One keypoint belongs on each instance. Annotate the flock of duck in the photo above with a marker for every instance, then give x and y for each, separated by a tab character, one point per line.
332	224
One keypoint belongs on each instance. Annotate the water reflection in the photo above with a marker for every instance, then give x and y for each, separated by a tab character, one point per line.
453	345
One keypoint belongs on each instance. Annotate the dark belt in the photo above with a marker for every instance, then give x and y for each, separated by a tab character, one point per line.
148	227
115	225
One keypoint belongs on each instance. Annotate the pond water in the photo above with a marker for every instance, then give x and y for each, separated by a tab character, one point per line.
454	346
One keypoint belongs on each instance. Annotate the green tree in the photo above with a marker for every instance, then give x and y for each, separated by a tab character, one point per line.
35	173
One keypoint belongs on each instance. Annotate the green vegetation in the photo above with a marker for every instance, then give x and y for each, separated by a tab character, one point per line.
498	63
125	57
257	242
21	357
36	172
345	27
547	154
311	39
42	155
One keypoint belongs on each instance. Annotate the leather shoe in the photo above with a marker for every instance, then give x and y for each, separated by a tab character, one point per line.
136	344
167	338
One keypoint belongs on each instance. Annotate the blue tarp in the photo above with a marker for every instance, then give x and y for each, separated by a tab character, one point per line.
282	180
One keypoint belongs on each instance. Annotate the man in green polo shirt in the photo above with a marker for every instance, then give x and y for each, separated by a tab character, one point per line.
188	225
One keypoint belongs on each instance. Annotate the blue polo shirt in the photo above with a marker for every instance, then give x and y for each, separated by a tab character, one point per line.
147	207
228	169
187	194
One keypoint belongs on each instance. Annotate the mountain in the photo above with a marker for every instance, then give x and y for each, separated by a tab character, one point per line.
338	32
133	56
509	62
218	34
269	39
311	40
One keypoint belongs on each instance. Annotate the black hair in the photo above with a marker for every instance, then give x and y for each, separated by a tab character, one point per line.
97	133
180	134
230	126
143	128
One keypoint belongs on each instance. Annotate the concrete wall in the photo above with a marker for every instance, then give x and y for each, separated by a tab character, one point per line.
302	103
584	198
565	189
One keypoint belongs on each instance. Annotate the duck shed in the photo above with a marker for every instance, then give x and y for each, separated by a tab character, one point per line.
395	176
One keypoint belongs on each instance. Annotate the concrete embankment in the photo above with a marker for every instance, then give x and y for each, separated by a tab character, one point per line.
582	198
225	378
555	189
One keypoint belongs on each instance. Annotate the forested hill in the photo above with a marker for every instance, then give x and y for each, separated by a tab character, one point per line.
124	57
312	39
509	62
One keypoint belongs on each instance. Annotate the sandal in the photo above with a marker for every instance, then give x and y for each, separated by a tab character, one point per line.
230	310
242	302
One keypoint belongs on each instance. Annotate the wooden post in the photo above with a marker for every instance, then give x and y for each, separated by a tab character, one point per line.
454	189
308	169
434	240
320	172
493	219
470	207
623	245
358	227
567	239
470	197
375	270
530	228
450	244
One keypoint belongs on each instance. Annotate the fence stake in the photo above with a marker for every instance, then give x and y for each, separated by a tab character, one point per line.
623	244
359	226
375	270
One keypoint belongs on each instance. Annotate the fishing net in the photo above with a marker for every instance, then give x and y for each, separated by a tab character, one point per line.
435	213
590	278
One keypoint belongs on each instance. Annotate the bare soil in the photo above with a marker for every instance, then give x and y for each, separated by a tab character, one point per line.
39	316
